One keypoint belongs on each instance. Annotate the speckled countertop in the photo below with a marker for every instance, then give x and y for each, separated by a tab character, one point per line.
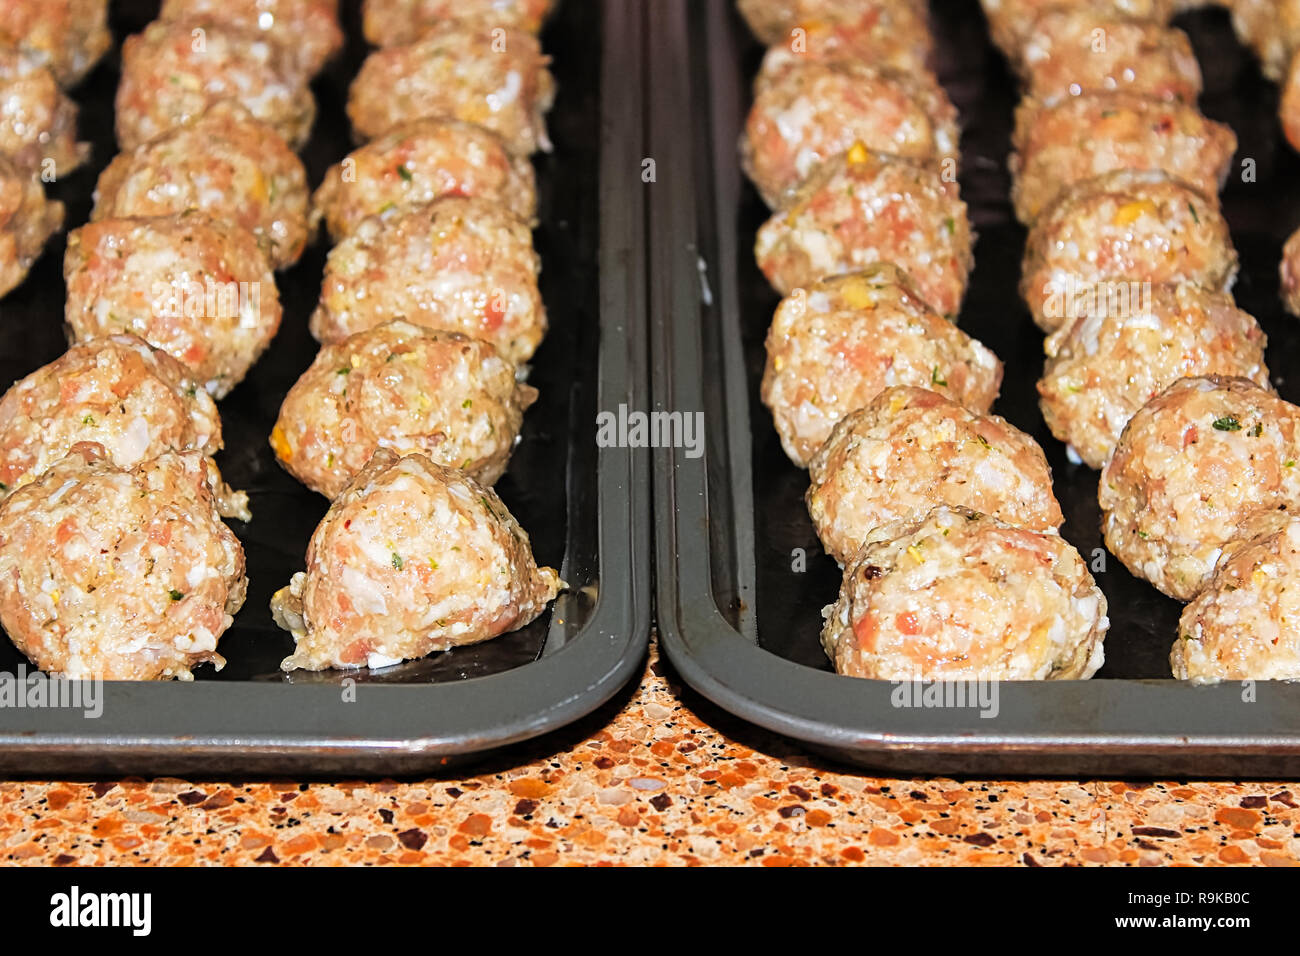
658	776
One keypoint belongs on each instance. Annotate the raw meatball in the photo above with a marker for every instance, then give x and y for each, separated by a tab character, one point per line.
1095	133
119	573
69	35
419	162
1194	470
1288	110
1105	365
891	36
821	108
172	72
1289	273
772	20
1011	21
495	77
1271	28
465	265
958	595
189	285
307	30
835	346
133	401
27	219
1080	50
864	208
1124	226
225	163
412	558
912	449
408	389
37	121
1245	625
390	22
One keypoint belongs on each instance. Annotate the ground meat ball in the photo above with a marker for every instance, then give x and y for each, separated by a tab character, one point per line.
27	219
772	20
1288	110
1125	225
171	73
1191	472
69	35
408	389
835	346
957	595
189	285
119	574
1245	625
390	22
412	558
891	36
1289	273
1085	136
1105	365
133	401
1271	28
225	163
464	265
37	121
419	162
307	30
1079	50
495	77
1011	21
864	208
810	113
912	449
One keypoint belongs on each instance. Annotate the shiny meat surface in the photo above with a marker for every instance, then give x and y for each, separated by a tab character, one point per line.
1197	469
464	265
121	574
225	163
864	208
412	558
962	596
189	285
405	388
418	162
835	346
133	401
911	450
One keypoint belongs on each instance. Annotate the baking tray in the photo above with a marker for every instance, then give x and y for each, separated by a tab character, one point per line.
585	508
736	619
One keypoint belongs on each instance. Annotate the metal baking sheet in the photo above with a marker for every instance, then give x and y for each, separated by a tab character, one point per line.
737	618
586	508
